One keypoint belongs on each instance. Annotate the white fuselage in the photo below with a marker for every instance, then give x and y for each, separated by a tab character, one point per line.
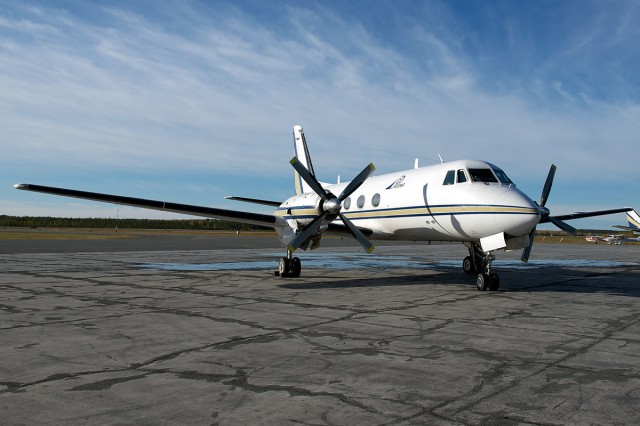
422	204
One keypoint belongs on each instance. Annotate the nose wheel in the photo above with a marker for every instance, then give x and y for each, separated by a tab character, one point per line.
490	281
479	262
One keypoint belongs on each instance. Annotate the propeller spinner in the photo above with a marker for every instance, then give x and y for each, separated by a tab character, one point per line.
331	206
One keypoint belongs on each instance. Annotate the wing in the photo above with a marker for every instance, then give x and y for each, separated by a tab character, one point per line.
232	215
580	215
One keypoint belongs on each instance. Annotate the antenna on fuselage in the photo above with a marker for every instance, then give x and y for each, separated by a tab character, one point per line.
440	157
415	165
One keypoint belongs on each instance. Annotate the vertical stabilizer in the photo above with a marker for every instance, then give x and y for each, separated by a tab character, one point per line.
302	153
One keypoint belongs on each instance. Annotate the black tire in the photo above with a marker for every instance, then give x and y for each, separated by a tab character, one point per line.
482	282
284	267
494	281
296	267
468	267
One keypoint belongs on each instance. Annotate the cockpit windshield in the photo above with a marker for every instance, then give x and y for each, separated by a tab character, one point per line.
502	177
482	175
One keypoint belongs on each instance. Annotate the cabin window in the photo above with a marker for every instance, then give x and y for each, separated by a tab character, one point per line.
360	201
375	201
502	176
449	179
482	175
462	176
347	203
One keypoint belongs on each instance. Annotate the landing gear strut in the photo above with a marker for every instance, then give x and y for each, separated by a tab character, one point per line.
289	267
479	262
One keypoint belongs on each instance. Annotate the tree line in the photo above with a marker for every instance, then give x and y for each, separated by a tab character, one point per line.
68	222
195	224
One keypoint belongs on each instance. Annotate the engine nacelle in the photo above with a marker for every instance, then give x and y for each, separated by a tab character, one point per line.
302	209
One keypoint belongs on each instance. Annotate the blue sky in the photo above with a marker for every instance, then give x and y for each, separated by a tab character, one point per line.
190	101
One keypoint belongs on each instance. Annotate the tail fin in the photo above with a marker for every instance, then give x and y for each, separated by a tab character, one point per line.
302	153
634	220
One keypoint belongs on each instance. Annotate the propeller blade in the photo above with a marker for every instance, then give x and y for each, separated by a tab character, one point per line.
560	224
309	178
527	250
357	234
307	232
547	185
356	182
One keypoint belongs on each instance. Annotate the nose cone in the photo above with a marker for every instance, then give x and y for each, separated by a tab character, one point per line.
517	213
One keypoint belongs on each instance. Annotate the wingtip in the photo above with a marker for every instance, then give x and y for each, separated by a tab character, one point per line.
21	186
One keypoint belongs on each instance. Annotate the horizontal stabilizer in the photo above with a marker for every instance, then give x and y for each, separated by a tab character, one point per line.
255	201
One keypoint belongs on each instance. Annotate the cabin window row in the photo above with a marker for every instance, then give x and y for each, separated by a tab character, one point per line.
375	201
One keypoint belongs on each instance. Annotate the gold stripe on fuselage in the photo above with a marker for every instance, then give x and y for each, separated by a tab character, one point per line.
416	211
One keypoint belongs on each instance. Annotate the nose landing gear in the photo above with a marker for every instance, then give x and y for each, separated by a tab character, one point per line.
479	262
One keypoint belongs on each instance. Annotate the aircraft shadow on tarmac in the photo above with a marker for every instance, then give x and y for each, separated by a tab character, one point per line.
612	281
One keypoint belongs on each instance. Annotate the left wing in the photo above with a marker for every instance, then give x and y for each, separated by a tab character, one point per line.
232	215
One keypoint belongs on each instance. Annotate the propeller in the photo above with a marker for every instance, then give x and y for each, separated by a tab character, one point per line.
545	214
331	206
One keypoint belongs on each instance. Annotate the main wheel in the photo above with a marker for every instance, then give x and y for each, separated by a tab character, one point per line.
482	282
467	266
494	281
283	267
296	267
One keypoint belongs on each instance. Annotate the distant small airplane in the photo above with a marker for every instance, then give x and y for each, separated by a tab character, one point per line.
595	239
468	201
618	239
614	239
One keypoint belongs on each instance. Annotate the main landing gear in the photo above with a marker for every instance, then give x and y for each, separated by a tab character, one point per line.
289	266
479	262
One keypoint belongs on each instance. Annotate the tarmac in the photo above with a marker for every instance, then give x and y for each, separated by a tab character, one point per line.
206	334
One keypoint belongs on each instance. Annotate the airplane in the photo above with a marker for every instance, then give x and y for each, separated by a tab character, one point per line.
613	239
634	222
595	239
469	201
617	239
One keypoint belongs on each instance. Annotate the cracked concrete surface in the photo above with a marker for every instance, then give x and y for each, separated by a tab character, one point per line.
101	338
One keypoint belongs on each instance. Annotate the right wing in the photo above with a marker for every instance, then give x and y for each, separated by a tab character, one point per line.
231	215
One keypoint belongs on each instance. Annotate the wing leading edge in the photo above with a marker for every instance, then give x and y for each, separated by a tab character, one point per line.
210	212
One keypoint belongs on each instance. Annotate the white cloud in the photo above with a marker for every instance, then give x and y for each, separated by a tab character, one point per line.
125	91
